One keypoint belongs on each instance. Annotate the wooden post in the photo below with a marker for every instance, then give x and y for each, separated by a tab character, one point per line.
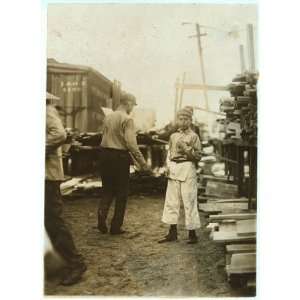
202	63
176	98
69	101
251	47
242	59
84	104
181	91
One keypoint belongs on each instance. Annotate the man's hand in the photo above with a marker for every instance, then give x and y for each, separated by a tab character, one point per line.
145	170
167	171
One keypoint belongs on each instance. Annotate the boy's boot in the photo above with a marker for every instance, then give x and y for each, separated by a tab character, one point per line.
171	236
192	237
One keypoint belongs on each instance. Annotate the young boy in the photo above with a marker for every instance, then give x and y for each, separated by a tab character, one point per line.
184	153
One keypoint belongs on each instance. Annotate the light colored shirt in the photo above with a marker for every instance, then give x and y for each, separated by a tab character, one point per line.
55	136
119	133
184	145
185	148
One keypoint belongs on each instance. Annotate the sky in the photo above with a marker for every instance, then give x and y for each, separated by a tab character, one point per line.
146	47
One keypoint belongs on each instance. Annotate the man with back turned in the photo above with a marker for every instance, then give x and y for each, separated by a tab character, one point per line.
55	224
118	144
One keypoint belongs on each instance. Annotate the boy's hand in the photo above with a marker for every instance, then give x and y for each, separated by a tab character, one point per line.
180	146
183	147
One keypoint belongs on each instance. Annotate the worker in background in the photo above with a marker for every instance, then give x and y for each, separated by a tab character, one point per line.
55	225
184	153
118	144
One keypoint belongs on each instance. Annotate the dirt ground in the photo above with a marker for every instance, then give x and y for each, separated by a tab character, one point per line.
134	264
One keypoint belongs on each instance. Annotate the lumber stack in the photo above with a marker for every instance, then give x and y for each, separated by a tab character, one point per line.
241	108
237	232
233	225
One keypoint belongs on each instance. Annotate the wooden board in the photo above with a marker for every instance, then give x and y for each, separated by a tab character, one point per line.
233	200
214	178
227	227
241	248
242	263
231	237
239	216
238	248
207	198
246	227
221	189
210	206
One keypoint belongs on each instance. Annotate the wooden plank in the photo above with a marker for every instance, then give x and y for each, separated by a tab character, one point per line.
231	237
240	216
228	227
214	178
233	200
191	86
241	248
242	263
246	227
221	189
223	206
205	198
238	248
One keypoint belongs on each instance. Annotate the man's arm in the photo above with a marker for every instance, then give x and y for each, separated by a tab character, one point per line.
55	132
131	143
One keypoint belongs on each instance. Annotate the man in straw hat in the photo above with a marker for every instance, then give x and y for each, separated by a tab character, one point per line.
55	225
183	155
118	146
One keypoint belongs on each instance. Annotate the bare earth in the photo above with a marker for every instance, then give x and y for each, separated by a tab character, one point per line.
134	264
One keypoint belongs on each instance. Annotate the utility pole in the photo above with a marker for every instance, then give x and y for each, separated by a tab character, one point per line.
202	63
250	35
242	59
176	98
181	91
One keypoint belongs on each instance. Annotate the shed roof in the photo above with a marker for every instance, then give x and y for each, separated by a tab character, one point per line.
65	68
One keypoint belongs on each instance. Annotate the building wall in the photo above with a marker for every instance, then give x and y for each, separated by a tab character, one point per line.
82	97
72	90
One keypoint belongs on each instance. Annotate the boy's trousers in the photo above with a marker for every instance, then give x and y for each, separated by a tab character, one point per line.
184	189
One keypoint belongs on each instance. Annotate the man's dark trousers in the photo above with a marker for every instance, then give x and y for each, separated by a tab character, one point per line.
115	179
55	225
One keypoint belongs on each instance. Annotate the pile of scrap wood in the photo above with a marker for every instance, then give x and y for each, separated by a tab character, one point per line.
87	185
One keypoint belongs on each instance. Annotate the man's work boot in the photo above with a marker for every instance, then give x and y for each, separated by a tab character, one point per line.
192	237
74	274
171	236
117	231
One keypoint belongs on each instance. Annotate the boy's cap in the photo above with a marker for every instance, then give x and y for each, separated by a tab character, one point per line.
186	111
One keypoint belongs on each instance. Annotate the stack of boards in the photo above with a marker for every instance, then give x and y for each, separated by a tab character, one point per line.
234	226
241	107
237	231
